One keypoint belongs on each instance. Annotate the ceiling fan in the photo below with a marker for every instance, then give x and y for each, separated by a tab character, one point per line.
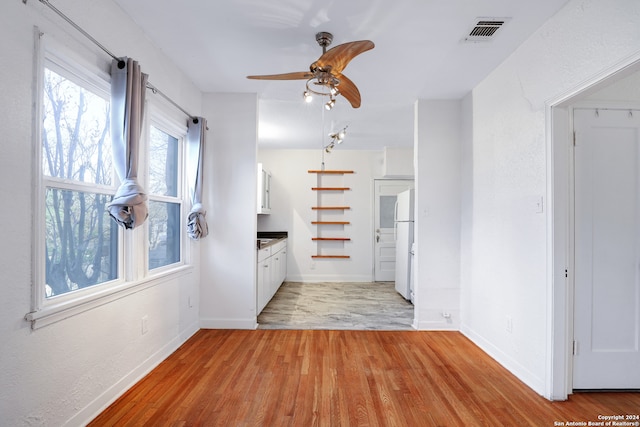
325	75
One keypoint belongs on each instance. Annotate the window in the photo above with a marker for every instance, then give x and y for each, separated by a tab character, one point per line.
81	242
82	257
165	204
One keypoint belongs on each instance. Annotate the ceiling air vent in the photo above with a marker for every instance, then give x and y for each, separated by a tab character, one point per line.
485	29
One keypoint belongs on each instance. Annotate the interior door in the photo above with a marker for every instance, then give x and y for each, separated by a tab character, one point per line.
606	223
385	196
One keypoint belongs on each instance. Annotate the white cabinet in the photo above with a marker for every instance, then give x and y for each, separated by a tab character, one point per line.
264	190
263	276
279	266
270	272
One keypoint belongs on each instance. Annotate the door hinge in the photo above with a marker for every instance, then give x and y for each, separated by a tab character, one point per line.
575	348
574	138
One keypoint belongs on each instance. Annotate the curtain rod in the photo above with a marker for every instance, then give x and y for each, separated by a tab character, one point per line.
157	91
154	89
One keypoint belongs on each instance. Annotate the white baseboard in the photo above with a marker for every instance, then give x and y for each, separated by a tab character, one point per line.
317	278
110	395
534	382
214	323
427	325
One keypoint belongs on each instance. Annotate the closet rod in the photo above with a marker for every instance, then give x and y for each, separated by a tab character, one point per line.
154	89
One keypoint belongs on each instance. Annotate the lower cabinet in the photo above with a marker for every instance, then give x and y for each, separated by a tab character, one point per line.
270	273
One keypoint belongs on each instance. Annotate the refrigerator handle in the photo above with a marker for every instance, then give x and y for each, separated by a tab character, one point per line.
395	211
395	221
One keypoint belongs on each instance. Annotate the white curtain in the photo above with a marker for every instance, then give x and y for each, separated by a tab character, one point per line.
196	223
128	87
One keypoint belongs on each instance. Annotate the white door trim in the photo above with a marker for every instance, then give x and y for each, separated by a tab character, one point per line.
410	184
559	170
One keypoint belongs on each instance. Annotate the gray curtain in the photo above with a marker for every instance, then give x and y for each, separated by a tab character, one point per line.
128	87
196	223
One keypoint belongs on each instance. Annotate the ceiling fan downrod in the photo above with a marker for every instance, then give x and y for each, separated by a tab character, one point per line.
324	39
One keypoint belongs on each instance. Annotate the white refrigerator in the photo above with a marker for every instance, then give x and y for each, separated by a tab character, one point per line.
404	241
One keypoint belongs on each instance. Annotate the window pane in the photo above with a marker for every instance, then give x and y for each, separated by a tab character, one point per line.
387	211
164	234
81	241
76	143
163	164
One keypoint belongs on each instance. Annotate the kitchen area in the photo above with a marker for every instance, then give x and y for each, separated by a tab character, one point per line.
287	230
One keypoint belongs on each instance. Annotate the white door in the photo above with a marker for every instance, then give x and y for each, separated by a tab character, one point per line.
607	224
385	196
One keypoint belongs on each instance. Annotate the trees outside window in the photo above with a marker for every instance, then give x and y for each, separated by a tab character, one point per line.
81	242
165	205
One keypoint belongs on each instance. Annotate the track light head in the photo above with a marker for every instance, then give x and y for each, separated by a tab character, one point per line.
329	105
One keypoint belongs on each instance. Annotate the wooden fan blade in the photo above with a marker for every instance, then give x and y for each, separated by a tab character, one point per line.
338	57
299	75
349	90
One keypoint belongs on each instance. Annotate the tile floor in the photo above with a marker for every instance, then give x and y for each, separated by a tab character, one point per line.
329	305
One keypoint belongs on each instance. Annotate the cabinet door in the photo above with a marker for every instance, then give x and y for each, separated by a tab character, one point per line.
263	284
283	266
266	179
264	190
273	277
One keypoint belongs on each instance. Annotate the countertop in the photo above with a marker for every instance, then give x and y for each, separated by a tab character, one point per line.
268	238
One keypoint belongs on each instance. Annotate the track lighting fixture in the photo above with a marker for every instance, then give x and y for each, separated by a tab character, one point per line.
336	138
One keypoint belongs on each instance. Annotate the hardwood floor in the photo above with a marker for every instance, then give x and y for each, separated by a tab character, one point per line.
343	378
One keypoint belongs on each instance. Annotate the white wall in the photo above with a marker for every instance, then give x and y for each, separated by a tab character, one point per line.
438	162
67	371
506	279
292	199
228	288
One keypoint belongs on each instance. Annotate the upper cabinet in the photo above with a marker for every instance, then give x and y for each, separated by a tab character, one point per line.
264	190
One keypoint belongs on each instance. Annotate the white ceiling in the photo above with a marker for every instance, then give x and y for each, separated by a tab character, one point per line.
419	53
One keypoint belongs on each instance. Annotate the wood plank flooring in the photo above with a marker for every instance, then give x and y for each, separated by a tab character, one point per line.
343	378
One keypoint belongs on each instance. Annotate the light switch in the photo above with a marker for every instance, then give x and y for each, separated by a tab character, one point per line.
539	204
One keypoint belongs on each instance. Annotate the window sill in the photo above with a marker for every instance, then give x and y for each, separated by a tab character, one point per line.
57	312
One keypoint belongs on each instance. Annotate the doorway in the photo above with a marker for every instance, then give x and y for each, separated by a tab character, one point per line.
384	242
606	224
561	244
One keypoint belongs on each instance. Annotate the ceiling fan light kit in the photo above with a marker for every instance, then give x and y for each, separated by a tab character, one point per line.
326	73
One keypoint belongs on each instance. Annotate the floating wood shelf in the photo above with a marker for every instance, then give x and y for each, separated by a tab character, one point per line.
330	191
329	208
341	239
330	222
330	171
330	256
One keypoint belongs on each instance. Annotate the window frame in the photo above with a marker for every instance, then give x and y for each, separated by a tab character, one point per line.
163	122
133	273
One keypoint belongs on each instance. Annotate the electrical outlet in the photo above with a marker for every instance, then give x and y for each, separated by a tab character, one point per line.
509	325
189	302
145	324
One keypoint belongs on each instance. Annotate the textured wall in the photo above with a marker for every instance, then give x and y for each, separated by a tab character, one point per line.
505	288
67	371
439	130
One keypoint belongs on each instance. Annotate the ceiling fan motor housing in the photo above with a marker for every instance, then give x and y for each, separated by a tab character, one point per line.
324	39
